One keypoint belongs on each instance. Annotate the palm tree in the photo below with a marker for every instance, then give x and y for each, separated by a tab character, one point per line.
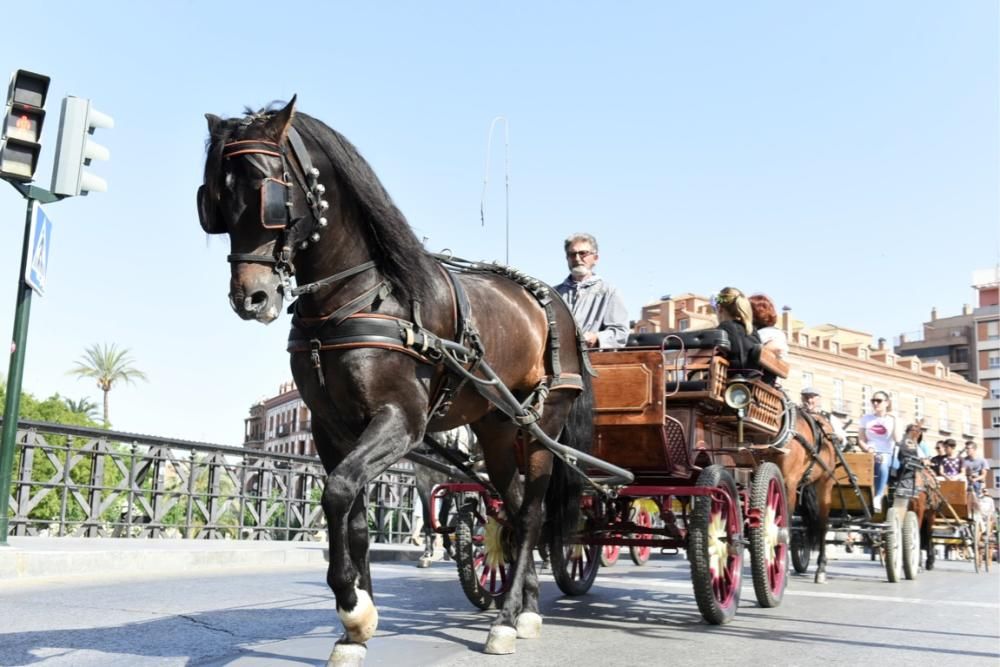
83	406
107	364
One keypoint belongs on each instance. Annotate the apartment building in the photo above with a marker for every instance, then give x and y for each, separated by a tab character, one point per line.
280	424
986	354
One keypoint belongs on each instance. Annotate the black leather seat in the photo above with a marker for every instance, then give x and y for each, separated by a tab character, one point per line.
701	339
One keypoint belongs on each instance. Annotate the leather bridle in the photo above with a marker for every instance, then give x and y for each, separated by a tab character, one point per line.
298	219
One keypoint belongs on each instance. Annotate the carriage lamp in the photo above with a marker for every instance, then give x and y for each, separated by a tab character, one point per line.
737	396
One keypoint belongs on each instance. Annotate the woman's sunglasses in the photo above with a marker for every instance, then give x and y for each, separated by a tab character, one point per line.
876	400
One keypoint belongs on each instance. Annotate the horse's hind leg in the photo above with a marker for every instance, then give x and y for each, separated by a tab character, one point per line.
825	497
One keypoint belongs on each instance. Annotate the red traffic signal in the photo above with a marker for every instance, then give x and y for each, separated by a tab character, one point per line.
20	143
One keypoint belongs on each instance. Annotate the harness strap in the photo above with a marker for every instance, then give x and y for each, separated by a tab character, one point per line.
309	288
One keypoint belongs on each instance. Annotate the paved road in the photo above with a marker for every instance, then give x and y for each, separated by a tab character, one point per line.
285	616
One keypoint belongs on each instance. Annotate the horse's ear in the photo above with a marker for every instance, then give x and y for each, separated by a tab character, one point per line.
279	123
214	122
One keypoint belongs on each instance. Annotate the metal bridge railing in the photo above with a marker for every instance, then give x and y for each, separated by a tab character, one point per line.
90	482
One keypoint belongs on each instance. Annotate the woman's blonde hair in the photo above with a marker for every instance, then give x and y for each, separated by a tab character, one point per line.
736	306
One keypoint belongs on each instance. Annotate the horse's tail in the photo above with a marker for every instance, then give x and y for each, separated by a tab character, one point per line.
562	499
809	509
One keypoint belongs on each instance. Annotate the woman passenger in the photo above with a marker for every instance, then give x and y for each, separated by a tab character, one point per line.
878	433
736	319
765	317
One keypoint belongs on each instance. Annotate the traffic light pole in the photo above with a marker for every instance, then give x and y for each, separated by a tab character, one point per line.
12	403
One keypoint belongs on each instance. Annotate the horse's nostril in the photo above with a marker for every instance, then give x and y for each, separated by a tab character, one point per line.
255	301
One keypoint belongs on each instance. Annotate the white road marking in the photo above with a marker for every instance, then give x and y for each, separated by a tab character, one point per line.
815	594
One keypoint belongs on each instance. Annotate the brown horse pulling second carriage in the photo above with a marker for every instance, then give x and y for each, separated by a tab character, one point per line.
702	441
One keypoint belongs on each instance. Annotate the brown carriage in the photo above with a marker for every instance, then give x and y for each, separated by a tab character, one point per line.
891	532
698	438
965	523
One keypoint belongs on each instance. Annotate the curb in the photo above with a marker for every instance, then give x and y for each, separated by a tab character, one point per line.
28	558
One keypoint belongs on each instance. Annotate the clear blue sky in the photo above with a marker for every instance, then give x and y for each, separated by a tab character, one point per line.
842	157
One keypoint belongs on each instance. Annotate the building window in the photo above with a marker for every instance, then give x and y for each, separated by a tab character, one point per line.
807	380
684	324
838	397
994	389
918	407
959	355
993	330
642	329
866	398
994	360
995	420
967	420
943	423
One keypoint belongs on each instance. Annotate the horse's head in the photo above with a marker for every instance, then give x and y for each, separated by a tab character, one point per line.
261	189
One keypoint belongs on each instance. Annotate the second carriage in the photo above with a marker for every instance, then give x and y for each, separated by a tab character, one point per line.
702	440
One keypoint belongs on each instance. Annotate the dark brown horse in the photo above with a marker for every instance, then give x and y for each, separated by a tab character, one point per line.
808	469
386	345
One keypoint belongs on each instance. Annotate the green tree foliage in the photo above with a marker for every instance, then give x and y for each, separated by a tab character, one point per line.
83	406
108	365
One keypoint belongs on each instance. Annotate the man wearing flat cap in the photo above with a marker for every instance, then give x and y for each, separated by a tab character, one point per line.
810	404
810	400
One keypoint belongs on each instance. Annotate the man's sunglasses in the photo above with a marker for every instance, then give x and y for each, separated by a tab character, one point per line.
876	400
584	254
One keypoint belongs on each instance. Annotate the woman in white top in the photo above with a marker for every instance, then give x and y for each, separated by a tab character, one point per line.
764	319
879	433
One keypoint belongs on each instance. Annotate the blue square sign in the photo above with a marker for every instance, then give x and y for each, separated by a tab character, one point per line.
38	252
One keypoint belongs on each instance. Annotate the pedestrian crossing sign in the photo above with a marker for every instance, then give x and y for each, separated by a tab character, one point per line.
38	252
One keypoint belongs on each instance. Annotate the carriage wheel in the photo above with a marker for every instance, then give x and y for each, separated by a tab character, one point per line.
986	549
640	555
801	551
768	542
911	545
574	566
893	547
975	547
609	554
481	557
715	547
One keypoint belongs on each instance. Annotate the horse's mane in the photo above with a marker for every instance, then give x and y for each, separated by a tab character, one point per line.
397	252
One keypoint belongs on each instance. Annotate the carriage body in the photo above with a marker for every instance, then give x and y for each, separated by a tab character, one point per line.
661	413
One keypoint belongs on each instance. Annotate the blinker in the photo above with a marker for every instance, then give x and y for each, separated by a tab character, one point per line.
207	214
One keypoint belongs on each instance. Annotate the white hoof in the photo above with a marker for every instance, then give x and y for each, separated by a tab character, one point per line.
821	577
529	625
345	654
360	623
425	561
501	640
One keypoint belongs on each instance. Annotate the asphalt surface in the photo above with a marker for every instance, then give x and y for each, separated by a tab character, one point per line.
284	615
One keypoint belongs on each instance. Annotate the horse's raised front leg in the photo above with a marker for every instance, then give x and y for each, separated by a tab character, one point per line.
386	438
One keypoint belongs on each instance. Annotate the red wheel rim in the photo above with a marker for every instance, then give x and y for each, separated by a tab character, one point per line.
579	560
776	523
611	553
646	521
725	558
492	577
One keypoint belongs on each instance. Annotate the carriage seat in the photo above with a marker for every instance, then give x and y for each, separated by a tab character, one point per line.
701	339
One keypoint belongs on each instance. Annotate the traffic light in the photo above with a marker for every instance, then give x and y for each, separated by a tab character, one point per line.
20	144
75	149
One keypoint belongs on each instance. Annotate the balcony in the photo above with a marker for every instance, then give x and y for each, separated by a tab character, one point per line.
841	408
